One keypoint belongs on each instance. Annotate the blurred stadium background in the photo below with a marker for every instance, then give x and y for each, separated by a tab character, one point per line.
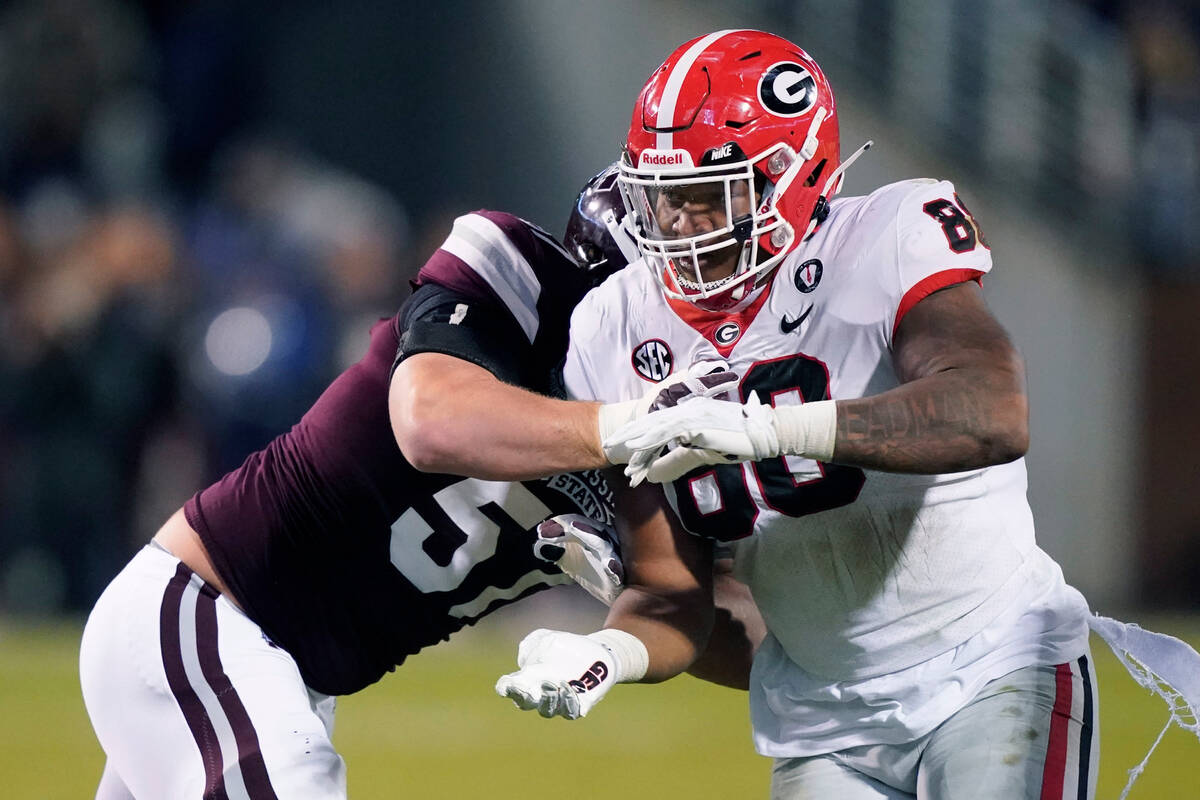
204	204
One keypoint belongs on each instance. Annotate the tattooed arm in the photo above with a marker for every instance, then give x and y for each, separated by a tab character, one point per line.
961	403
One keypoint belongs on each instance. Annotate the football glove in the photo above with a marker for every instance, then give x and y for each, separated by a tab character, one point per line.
702	379
586	550
565	674
670	443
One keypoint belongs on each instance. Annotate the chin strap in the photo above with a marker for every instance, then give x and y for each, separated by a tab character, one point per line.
811	142
621	235
833	184
837	173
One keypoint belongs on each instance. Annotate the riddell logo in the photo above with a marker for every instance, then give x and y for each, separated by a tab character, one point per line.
665	158
591	679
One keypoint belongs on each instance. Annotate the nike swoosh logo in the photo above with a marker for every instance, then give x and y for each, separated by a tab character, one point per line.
788	325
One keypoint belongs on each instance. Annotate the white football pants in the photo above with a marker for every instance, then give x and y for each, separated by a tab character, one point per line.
1031	735
190	700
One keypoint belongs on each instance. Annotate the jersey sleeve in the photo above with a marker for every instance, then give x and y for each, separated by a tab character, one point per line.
580	368
497	256
498	293
938	244
437	319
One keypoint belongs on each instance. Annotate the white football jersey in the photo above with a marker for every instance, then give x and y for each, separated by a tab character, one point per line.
857	573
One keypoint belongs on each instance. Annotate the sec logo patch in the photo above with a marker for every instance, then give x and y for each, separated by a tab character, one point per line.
652	360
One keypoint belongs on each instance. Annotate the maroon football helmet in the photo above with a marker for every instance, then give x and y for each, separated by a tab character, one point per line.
597	235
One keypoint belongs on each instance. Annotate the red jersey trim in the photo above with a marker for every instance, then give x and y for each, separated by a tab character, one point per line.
930	284
706	323
1055	768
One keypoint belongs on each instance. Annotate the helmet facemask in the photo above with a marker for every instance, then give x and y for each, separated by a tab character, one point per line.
711	234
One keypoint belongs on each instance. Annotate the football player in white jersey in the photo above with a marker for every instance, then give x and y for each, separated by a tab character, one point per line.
919	643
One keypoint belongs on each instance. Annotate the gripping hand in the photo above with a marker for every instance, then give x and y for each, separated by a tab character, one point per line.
702	379
586	550
673	442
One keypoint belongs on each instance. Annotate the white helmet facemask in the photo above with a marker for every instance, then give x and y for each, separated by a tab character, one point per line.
699	228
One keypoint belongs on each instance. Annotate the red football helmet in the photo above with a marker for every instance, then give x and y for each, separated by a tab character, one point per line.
732	154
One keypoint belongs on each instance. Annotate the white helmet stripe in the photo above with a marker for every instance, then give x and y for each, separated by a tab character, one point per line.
666	107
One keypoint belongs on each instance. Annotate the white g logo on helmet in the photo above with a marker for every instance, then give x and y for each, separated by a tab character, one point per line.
787	90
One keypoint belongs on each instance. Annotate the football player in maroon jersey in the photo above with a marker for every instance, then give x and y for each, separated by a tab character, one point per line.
400	508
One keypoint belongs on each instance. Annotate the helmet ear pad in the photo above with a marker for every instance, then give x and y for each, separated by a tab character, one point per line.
792	205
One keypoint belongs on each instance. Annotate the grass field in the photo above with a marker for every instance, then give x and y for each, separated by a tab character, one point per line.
435	730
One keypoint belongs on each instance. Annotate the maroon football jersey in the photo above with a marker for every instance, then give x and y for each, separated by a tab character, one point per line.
348	557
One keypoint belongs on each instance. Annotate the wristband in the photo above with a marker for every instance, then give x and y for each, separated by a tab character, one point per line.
609	418
630	659
807	430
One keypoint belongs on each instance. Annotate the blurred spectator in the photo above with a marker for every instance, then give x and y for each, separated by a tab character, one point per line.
172	294
90	375
1166	48
12	271
288	256
84	293
63	62
207	79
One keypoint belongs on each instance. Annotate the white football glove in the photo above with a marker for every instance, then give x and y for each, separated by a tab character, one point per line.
707	431
702	379
586	550
564	674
